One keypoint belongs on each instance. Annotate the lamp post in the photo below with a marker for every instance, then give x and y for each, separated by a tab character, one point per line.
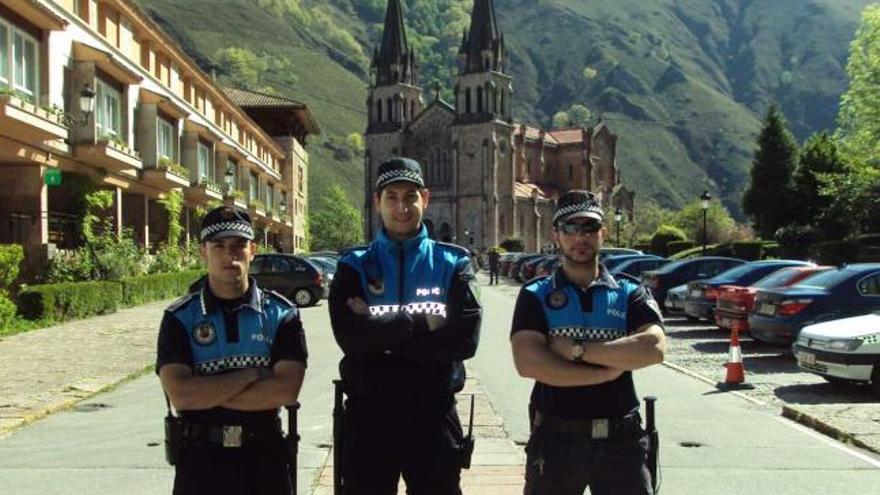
86	108
229	177
618	216
705	197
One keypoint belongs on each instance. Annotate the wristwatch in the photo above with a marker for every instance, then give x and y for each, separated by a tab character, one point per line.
577	351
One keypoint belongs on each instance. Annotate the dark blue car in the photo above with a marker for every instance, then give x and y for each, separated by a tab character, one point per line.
702	295
849	290
637	265
683	271
612	262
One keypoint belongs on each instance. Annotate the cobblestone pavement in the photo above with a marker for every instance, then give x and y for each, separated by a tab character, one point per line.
848	413
52	368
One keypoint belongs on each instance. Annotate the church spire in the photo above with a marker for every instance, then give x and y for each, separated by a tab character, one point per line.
394	62
483	45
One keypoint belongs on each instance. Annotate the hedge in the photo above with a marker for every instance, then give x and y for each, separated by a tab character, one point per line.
158	286
7	311
11	256
673	247
663	236
60	302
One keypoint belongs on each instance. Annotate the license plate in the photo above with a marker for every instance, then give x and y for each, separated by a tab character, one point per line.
767	309
696	293
807	358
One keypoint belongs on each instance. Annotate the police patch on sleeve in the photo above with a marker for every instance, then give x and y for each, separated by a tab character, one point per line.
204	334
557	299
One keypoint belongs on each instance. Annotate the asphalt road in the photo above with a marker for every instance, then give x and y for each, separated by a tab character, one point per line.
712	442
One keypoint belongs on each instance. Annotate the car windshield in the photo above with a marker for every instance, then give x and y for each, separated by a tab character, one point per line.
776	279
736	272
672	266
825	280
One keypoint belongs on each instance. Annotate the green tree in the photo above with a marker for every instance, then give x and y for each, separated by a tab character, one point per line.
336	223
580	115
720	226
240	65
818	156
768	198
561	119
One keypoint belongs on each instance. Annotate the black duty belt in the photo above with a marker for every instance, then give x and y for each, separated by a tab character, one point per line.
233	435
596	428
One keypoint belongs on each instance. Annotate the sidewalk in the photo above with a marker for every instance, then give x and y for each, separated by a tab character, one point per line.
497	466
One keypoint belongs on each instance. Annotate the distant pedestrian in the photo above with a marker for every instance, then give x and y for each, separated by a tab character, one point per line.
579	333
405	313
229	356
494	265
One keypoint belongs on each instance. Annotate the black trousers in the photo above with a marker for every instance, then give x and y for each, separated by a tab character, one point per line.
252	470
565	463
493	276
384	441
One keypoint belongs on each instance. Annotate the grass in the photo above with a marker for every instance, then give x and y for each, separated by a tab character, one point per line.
20	325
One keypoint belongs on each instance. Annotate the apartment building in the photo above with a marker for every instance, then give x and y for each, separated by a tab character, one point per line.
95	92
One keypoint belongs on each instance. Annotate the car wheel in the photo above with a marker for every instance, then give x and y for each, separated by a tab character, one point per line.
303	297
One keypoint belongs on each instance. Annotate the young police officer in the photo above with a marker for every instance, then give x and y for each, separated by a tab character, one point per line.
578	333
405	316
229	356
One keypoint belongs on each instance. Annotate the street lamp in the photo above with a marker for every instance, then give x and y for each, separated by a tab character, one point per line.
86	108
229	177
705	197
618	216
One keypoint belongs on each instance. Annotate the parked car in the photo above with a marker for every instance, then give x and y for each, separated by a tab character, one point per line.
735	302
636	267
547	266
699	303
848	290
611	262
527	269
517	264
843	350
505	261
674	303
291	276
607	252
684	271
327	266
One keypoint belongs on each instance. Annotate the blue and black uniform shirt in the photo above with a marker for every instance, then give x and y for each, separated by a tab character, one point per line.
606	310
423	321
213	336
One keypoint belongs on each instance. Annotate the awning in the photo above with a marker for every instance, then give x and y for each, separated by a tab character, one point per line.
105	61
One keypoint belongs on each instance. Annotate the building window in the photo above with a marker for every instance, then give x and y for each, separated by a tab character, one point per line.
390	110
205	169
479	100
108	113
18	60
379	111
165	136
254	191
302	181
467	100
231	166
270	196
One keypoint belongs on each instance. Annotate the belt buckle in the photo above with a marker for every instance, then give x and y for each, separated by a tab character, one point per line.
232	436
599	429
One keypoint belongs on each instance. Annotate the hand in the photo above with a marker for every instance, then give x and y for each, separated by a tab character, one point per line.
358	306
561	346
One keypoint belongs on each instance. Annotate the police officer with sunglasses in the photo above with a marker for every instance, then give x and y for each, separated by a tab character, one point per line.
579	333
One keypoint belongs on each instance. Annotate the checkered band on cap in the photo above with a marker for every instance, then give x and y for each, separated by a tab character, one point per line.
586	207
399	175
233	225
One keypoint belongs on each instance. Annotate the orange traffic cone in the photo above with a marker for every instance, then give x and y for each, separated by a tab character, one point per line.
736	374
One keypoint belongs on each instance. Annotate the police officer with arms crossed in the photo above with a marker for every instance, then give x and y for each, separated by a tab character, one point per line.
405	315
579	333
229	356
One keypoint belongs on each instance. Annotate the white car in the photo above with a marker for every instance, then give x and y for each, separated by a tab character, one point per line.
845	350
675	300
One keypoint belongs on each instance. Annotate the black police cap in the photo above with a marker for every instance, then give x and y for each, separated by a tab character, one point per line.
578	203
399	169
226	221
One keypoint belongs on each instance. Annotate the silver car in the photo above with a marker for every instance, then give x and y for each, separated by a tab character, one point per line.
675	300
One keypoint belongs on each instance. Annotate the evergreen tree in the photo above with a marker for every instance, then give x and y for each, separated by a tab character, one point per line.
335	224
768	199
819	156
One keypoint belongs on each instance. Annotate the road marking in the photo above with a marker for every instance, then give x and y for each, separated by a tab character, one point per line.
830	441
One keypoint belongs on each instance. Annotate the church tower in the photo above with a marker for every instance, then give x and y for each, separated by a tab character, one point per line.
483	133
393	100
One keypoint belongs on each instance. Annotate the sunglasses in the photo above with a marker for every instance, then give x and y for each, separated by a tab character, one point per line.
571	228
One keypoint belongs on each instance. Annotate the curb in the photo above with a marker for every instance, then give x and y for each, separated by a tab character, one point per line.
826	429
7	430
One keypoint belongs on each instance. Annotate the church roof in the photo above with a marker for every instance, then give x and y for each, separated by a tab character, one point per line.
394	61
526	190
534	134
482	36
568	135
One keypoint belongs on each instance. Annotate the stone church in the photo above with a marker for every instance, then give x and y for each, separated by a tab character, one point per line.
490	178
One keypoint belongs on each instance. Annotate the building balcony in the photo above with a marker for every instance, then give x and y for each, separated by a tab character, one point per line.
166	175
204	192
109	155
26	122
256	209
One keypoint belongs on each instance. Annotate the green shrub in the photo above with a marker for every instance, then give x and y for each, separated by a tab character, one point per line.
835	252
158	286
795	241
7	311
60	302
644	247
748	250
513	245
663	236
11	256
673	247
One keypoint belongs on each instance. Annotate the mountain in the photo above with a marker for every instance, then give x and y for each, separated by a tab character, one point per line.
684	83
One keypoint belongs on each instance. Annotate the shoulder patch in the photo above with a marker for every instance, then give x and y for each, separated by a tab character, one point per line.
536	279
454	248
181	302
278	297
626	277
